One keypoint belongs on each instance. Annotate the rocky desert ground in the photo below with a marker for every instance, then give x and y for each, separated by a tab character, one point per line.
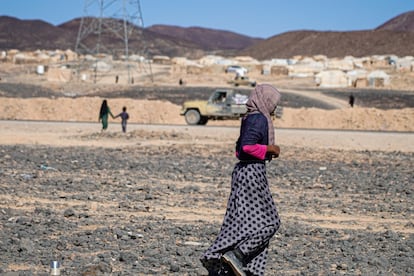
148	202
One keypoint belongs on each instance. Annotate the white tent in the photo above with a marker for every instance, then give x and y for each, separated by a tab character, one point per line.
306	67
340	64
331	78
378	78
357	78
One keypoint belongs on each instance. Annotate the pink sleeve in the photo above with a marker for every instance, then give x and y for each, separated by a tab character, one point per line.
258	151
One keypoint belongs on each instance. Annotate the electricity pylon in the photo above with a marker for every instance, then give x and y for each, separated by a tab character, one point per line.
107	28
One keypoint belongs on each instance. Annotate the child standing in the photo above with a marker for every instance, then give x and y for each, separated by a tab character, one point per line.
124	116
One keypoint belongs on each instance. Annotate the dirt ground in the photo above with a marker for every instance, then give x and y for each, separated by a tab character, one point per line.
150	201
61	134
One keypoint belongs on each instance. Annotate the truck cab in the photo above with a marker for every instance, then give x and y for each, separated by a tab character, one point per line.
223	103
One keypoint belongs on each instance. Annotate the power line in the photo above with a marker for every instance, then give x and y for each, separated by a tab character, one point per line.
105	34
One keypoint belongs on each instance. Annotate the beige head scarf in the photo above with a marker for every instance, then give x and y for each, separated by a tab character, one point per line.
264	99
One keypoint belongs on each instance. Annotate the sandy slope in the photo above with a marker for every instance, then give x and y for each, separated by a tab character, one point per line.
162	112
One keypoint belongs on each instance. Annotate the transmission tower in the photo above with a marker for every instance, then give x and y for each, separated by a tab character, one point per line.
113	29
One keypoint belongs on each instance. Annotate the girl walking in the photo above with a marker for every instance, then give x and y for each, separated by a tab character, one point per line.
251	217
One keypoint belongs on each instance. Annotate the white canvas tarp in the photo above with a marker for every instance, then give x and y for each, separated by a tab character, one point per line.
331	78
378	78
59	74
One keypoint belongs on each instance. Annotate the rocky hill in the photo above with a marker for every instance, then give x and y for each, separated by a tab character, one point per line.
156	40
334	44
33	35
401	23
207	39
395	36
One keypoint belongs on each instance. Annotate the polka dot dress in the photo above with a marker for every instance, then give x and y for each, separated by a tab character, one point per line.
250	221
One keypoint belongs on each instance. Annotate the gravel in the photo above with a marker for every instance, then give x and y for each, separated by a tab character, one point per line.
154	209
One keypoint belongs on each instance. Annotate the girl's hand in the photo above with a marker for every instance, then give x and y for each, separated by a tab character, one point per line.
274	150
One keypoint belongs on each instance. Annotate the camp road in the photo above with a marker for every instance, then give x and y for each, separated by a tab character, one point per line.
74	133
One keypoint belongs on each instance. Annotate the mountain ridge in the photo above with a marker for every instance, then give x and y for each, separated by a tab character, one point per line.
394	37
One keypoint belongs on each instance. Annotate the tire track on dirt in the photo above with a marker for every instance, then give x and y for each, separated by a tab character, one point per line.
318	96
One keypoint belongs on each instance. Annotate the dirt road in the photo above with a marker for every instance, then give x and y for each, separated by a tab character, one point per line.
73	134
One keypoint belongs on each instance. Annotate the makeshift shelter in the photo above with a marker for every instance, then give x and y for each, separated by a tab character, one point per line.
102	66
404	64
194	69
180	61
59	74
245	59
136	58
339	64
24	58
162	60
331	78
305	67
210	60
320	58
305	70
357	78
279	70
70	55
378	78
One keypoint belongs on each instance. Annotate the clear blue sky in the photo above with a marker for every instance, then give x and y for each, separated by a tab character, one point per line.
256	18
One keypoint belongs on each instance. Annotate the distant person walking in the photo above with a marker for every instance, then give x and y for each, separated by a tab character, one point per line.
351	100
251	217
103	114
124	116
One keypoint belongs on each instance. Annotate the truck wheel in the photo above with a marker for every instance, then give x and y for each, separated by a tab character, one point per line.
203	120
192	117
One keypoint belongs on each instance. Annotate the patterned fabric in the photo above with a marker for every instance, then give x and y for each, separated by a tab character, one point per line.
250	221
264	99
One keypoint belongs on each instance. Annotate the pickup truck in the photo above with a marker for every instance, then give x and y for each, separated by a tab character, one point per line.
223	104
